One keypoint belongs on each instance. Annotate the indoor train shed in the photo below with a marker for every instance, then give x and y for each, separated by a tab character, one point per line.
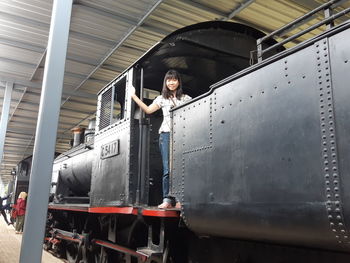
257	157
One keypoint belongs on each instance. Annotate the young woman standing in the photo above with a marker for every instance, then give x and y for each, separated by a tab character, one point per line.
172	96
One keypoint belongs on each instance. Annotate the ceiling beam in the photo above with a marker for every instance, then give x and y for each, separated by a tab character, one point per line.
238	9
30	132
205	8
42	59
63	112
5	116
13	161
19	101
18	152
43	26
103	12
36	67
29	103
119	43
18	62
37	85
32	121
22	45
39	49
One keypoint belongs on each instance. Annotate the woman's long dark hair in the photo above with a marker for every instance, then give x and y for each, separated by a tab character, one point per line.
172	74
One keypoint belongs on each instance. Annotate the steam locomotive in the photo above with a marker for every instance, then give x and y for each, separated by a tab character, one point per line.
259	157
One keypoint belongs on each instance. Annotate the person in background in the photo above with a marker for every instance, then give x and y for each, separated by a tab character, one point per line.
172	96
4	207
21	210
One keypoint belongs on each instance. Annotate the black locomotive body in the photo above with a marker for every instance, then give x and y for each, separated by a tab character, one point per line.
122	166
258	160
264	153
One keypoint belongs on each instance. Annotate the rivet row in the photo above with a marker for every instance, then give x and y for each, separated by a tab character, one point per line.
328	141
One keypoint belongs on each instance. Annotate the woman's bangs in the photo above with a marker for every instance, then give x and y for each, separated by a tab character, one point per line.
171	75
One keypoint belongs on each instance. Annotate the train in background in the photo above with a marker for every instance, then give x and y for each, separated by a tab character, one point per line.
259	157
20	180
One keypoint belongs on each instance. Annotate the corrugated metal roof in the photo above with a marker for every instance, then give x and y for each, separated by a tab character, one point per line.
106	37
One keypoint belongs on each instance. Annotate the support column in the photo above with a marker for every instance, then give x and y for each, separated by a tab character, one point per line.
46	132
5	116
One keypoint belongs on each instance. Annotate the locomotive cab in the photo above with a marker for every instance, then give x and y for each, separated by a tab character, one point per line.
127	168
113	172
126	146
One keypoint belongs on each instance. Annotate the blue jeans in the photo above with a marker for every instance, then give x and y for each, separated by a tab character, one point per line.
164	142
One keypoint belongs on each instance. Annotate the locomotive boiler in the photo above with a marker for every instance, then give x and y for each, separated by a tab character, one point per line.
258	157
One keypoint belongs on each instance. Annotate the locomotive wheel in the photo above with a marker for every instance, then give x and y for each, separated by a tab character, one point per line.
166	258
96	229
73	253
98	255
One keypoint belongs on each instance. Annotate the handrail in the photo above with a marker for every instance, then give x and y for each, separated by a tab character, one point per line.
328	20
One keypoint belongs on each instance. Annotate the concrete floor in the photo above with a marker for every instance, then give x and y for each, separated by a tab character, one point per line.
10	245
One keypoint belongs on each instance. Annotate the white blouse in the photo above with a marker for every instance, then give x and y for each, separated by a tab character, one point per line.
166	105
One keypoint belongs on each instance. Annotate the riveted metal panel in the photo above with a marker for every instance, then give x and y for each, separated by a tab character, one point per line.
187	143
338	181
266	175
114	173
114	178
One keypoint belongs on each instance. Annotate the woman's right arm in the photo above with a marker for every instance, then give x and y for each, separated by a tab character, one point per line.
147	109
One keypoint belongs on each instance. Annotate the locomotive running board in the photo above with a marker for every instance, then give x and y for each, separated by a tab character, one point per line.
128	210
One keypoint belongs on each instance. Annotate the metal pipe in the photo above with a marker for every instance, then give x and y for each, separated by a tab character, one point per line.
327	13
78	136
121	249
121	42
46	132
290	26
325	21
5	116
112	104
75	198
238	9
298	20
140	155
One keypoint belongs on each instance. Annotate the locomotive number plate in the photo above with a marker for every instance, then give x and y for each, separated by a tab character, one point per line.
109	149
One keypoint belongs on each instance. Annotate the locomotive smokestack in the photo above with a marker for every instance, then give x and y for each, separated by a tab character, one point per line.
90	131
77	139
